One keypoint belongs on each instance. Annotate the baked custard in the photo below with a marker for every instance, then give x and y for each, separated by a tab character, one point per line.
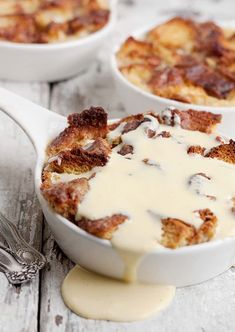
183	60
145	181
49	21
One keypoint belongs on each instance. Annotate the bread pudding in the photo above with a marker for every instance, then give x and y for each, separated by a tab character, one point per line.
49	21
183	60
161	179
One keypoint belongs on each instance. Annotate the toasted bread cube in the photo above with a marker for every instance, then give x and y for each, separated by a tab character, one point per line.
225	152
104	227
90	124
65	197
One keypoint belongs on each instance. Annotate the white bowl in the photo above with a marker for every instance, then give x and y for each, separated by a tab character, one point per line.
136	100
52	62
179	267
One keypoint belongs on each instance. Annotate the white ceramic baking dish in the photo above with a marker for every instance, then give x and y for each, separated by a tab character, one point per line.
53	62
136	100
180	267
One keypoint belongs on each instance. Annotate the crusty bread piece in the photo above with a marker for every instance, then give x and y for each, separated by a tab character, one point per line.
136	119
176	33
183	60
165	78
197	149
214	83
80	159
89	124
207	229
44	21
46	179
225	152
104	227
191	120
131	123
65	197
139	74
136	52
177	233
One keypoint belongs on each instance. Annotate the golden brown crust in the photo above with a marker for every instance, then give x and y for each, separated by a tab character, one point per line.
137	52
136	119
177	233
207	229
130	123
103	227
183	60
196	149
65	197
92	118
46	179
34	21
174	34
80	159
89	124
192	120
214	83
225	152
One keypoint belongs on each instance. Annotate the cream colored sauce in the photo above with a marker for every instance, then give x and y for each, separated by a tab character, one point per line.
146	194
97	297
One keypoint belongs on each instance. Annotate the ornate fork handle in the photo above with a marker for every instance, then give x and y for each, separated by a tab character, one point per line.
20	262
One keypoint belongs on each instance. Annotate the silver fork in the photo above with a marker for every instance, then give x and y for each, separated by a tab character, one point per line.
19	261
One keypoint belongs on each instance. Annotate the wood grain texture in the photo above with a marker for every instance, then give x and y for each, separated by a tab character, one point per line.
19	305
38	306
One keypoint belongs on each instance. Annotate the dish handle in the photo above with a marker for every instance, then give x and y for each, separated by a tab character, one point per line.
32	118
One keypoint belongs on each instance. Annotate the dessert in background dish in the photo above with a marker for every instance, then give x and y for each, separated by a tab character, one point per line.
47	21
183	60
145	181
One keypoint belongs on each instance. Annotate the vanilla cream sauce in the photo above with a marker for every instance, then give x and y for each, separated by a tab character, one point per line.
146	193
97	297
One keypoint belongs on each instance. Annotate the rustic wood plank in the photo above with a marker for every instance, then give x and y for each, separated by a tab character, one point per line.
19	305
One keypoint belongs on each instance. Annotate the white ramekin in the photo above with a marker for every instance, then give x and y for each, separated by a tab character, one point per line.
179	267
52	62
136	100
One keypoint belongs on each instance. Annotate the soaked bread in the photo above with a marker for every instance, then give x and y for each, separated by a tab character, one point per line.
47	21
184	60
103	227
75	160
80	159
65	197
225	152
90	124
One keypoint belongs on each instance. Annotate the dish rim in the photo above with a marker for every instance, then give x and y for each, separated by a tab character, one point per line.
140	33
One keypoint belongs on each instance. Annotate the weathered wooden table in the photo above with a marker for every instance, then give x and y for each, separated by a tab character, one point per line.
37	306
